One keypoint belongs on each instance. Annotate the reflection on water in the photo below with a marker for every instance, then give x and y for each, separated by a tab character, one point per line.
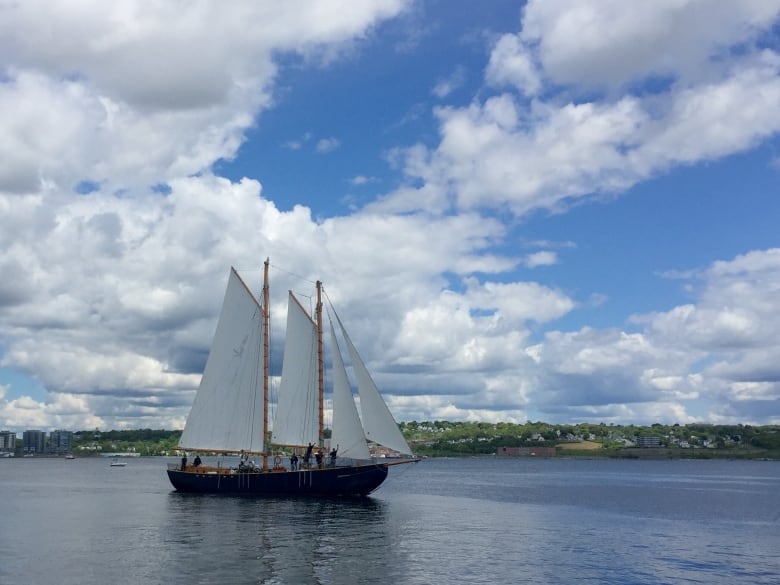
275	540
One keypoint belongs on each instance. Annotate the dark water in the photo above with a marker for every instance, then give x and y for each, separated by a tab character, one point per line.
440	521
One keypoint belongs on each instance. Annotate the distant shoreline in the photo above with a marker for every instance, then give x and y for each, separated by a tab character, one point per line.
648	454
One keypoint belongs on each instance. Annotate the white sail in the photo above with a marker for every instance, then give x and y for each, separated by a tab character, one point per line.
378	423
297	412
227	414
347	432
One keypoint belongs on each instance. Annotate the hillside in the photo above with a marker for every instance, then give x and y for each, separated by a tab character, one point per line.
445	438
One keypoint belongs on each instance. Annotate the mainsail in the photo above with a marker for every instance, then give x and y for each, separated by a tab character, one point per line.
297	419
227	412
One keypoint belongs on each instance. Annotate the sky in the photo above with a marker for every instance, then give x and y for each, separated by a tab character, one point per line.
561	210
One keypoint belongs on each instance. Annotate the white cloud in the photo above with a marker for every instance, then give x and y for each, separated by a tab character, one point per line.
737	310
98	310
713	359
64	411
714	119
112	93
504	152
445	87
612	43
511	63
132	325
543	258
103	343
491	156
293	145
610	374
360	180
496	155
327	145
109	298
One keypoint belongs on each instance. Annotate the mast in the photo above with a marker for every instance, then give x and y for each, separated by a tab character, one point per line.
320	365
266	319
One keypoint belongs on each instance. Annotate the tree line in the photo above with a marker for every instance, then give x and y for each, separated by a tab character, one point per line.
481	438
448	438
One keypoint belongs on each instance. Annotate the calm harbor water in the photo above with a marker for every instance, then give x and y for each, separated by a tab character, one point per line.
436	522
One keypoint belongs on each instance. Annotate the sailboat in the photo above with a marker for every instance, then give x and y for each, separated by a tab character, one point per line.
230	413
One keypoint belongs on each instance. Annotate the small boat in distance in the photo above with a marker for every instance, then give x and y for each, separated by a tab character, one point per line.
115	462
230	412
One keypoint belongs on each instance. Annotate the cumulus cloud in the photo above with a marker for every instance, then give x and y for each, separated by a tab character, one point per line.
713	359
512	63
133	323
736	324
506	152
604	367
736	310
708	360
611	43
110	96
109	294
494	155
543	258
63	411
111	93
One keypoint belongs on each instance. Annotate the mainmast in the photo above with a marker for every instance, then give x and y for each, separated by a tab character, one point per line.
266	319
320	366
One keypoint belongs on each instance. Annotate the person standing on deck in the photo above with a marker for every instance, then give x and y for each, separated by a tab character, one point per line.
307	456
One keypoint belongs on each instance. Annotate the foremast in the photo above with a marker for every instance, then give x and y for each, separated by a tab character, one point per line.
266	319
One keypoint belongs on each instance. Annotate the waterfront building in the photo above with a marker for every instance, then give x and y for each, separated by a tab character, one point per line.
61	441
33	442
648	441
7	443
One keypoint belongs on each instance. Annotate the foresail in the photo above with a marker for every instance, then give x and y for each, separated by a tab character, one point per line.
297	412
378	422
347	432
227	412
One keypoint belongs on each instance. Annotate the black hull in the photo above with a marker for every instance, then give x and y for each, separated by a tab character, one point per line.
331	481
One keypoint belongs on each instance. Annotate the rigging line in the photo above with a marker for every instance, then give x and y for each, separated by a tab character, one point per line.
403	471
295	274
331	307
311	301
324	292
298	276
